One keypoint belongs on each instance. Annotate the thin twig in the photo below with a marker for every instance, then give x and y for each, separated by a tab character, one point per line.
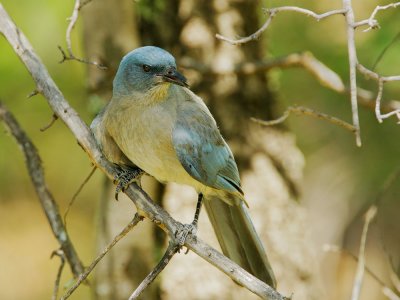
53	119
351	47
371	21
306	60
299	110
72	21
76	195
373	75
169	253
61	255
358	279
273	12
396	37
326	76
348	12
33	93
387	291
82	133
46	199
89	269
381	80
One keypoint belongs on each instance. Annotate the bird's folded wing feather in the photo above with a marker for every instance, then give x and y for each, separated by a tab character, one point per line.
201	149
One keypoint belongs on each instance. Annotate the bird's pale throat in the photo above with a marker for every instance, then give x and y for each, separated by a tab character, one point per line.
159	92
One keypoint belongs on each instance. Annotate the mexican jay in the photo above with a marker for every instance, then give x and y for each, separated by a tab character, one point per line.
156	123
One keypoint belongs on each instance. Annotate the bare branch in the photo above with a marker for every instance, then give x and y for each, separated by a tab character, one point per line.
72	21
306	60
351	47
394	277
326	76
47	201
53	120
274	11
387	291
348	12
371	21
381	80
76	195
371	74
61	255
249	38
299	110
89	269
378	59
169	253
369	216
33	93
86	140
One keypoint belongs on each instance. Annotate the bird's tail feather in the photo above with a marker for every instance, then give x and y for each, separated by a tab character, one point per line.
238	238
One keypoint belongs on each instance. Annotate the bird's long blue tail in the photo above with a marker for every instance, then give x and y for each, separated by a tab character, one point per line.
238	238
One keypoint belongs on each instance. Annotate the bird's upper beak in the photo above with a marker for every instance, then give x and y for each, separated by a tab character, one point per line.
175	77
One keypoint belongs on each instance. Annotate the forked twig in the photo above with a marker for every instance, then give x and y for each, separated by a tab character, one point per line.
299	110
347	11
381	80
169	253
61	255
371	21
71	202
272	12
89	269
72	21
358	279
46	199
53	120
387	291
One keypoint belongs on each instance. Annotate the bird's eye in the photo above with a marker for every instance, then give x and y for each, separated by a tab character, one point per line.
146	68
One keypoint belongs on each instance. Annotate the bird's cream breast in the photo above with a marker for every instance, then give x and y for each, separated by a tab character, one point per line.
144	134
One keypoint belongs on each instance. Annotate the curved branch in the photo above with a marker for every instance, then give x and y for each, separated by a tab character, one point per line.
72	21
136	219
169	253
272	12
49	206
145	206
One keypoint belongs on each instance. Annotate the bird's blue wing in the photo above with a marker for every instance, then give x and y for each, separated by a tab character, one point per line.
201	149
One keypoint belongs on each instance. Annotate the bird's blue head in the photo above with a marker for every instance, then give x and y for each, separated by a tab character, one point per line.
144	68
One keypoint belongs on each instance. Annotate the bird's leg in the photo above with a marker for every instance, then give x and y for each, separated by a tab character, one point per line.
125	176
182	233
198	209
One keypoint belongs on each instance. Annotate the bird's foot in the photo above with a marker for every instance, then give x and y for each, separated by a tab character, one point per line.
183	231
125	176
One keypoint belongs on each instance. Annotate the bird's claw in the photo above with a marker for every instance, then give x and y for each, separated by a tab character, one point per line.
183	231
124	177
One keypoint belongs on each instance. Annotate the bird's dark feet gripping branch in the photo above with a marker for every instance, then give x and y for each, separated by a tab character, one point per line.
125	176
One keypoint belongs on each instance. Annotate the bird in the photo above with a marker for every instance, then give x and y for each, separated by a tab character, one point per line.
154	124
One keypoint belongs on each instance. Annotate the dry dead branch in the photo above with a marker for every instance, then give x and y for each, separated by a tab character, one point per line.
36	173
347	11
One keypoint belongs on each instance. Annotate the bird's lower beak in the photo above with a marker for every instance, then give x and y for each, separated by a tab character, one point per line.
175	77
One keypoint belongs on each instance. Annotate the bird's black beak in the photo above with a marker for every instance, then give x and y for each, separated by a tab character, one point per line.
174	77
